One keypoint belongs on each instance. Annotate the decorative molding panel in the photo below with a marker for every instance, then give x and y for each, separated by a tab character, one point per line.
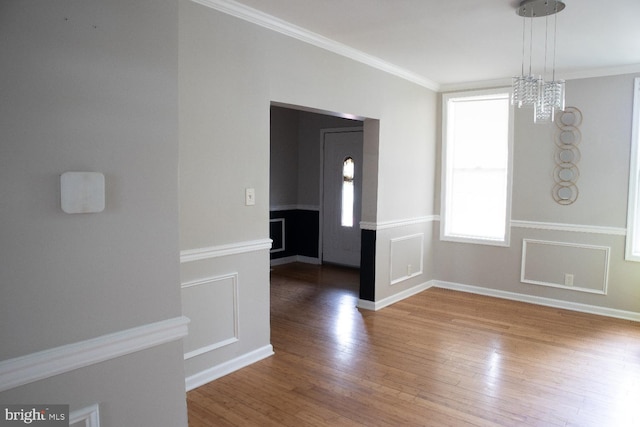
44	364
364	225
558	264
190	255
406	255
225	368
270	22
204	302
85	417
548	302
576	228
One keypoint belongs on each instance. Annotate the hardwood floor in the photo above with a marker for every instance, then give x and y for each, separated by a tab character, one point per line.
439	358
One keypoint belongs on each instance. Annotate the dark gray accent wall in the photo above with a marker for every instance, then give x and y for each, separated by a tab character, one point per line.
301	233
368	265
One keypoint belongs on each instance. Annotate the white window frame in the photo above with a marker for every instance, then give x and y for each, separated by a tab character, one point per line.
632	246
446	163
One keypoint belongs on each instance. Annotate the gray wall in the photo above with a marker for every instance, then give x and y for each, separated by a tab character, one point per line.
91	86
231	71
596	220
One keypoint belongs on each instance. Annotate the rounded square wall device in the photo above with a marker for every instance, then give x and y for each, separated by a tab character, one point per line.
82	192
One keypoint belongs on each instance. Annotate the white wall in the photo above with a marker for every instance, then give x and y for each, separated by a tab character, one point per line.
597	218
230	73
91	86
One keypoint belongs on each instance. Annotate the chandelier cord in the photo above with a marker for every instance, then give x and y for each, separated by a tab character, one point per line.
530	45
546	43
555	39
523	27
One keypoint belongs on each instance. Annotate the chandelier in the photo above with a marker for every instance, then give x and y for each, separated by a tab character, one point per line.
529	90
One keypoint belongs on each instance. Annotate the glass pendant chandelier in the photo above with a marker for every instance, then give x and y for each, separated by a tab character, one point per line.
529	90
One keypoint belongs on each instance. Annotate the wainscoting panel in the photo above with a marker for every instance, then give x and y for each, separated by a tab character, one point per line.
570	266
212	306
406	257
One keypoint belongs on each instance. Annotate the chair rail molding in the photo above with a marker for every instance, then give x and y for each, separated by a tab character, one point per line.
47	363
576	228
374	226
190	255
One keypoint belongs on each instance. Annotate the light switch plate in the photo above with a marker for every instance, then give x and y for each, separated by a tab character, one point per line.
82	192
250	196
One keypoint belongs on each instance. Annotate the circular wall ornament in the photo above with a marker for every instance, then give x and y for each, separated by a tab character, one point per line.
566	174
567	155
567	136
565	194
569	117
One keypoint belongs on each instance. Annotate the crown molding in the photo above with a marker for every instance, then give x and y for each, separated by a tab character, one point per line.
273	23
599	72
262	19
482	84
569	75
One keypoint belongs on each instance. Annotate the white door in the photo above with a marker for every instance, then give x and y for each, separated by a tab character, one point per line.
342	195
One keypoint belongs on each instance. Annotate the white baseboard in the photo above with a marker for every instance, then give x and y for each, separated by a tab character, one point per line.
295	258
377	305
215	372
548	302
47	363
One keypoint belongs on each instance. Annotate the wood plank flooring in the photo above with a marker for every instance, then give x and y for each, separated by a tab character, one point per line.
439	358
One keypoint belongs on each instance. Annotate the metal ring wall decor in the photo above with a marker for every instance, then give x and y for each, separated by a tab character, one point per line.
567	138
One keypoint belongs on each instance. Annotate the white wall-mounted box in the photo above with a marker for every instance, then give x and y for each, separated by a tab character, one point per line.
82	192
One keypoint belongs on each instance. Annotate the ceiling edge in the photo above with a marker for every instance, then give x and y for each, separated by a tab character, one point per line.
600	72
569	75
483	84
262	19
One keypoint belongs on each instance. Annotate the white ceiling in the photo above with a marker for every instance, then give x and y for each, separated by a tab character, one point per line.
454	42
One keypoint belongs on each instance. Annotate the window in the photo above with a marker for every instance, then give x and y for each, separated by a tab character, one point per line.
476	173
633	213
347	192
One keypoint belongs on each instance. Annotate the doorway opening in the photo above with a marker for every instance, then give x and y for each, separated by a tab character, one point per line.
304	204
